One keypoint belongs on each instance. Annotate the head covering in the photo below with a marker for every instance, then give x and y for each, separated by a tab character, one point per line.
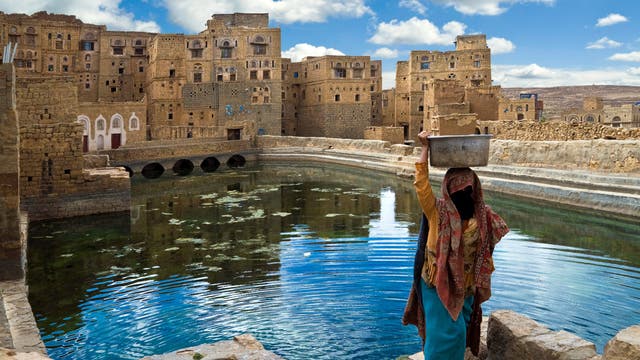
458	179
445	259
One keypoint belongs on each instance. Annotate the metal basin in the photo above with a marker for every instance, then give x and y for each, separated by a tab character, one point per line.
459	150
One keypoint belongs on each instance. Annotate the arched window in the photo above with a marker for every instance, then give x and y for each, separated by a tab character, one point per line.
87	57
31	30
590	118
115	123
100	125
134	123
258	39
13	30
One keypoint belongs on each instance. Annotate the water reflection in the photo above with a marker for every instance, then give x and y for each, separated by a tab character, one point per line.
292	253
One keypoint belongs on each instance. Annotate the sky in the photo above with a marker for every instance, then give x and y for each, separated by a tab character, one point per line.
534	43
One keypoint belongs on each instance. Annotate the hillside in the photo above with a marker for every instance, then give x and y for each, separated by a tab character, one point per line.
557	99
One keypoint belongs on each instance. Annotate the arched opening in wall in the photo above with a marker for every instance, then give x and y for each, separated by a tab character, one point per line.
486	129
183	167
236	161
520	116
116	131
210	164
85	132
615	122
478	131
100	143
590	118
152	170
127	168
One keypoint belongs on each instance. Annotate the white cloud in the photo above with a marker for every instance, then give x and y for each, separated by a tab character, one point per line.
416	31
535	76
500	45
611	19
485	7
414	5
604	43
385	53
99	12
299	51
632	56
634	71
193	14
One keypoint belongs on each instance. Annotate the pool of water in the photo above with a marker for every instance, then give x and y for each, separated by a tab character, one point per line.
315	262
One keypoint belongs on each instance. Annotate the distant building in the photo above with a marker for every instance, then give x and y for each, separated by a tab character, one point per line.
526	107
594	111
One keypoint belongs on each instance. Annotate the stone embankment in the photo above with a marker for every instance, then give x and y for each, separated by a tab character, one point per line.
600	175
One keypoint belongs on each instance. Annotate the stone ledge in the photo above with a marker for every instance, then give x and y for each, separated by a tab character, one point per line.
244	347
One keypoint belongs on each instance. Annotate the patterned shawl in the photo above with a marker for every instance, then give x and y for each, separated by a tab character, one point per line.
447	255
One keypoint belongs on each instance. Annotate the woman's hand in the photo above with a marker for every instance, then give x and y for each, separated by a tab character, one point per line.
424	141
423	137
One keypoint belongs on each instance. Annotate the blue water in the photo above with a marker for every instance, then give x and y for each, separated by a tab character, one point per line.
316	263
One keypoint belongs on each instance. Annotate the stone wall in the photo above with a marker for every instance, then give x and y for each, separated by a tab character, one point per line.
555	131
10	241
391	134
621	156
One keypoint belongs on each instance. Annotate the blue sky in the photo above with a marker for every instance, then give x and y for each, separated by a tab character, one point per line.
535	43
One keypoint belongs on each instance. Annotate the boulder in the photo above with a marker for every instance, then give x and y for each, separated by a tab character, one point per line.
242	347
624	346
515	336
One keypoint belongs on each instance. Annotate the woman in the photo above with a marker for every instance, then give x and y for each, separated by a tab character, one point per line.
453	264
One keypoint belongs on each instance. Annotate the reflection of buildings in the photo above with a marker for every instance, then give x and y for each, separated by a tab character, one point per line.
387	225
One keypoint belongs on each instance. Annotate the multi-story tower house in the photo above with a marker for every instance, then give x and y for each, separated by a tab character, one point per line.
217	83
469	64
333	95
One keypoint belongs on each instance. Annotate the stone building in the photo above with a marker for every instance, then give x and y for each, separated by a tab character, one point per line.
526	107
224	82
467	70
595	111
332	96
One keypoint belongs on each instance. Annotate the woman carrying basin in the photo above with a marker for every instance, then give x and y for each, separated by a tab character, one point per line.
453	263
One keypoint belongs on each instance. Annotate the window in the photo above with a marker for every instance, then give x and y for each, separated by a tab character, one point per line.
50	67
254	99
115	123
197	53
341	73
141	69
357	73
337	97
87	45
65	68
197	77
121	70
170	115
133	123
100	125
253	75
87	85
266	74
219	77
172	73
118	51
425	65
295	75
113	89
476	63
259	49
226	53
452	65
266	99
58	44
232	77
138	51
357	97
